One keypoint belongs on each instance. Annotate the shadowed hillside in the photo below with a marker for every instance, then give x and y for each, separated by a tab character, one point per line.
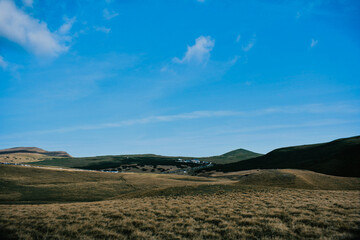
340	158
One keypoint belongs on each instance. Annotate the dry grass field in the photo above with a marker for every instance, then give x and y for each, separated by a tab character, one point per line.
23	157
64	204
38	185
247	213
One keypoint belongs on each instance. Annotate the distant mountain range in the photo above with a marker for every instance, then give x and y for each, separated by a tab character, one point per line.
35	150
340	158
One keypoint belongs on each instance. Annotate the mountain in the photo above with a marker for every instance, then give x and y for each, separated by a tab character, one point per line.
26	154
340	158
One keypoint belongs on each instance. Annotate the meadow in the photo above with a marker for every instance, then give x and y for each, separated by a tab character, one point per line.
71	204
242	213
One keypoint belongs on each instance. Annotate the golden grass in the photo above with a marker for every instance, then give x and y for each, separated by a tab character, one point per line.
24	157
291	178
66	204
38	185
254	213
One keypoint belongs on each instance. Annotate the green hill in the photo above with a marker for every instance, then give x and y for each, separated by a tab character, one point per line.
143	162
233	156
340	157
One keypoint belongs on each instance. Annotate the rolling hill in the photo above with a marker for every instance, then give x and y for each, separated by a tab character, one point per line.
29	185
29	154
340	158
144	162
289	178
20	184
232	156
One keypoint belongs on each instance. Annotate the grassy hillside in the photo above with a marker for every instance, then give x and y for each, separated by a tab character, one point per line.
24	157
29	154
268	204
126	163
289	178
34	150
233	156
340	158
143	162
36	185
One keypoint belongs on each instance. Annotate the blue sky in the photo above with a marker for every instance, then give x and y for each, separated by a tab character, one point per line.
182	77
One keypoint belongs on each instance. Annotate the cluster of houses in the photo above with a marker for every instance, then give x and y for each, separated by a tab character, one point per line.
196	161
19	164
110	171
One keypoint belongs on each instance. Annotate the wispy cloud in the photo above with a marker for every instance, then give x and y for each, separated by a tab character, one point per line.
109	15
3	63
297	109
146	120
28	3
313	43
65	28
102	29
30	33
199	52
319	123
310	108
249	45
238	38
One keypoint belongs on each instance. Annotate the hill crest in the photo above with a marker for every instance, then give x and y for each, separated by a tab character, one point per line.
35	150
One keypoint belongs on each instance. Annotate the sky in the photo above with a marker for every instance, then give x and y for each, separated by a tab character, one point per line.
180	78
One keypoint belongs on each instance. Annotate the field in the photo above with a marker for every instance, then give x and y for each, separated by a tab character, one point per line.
72	204
38	185
242	213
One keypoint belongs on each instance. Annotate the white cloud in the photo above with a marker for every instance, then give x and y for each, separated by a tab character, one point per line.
109	15
65	28
102	29
3	63
313	43
30	33
199	52
238	38
249	46
28	3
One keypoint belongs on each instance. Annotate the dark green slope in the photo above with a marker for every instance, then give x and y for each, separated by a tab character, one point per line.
102	162
340	157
